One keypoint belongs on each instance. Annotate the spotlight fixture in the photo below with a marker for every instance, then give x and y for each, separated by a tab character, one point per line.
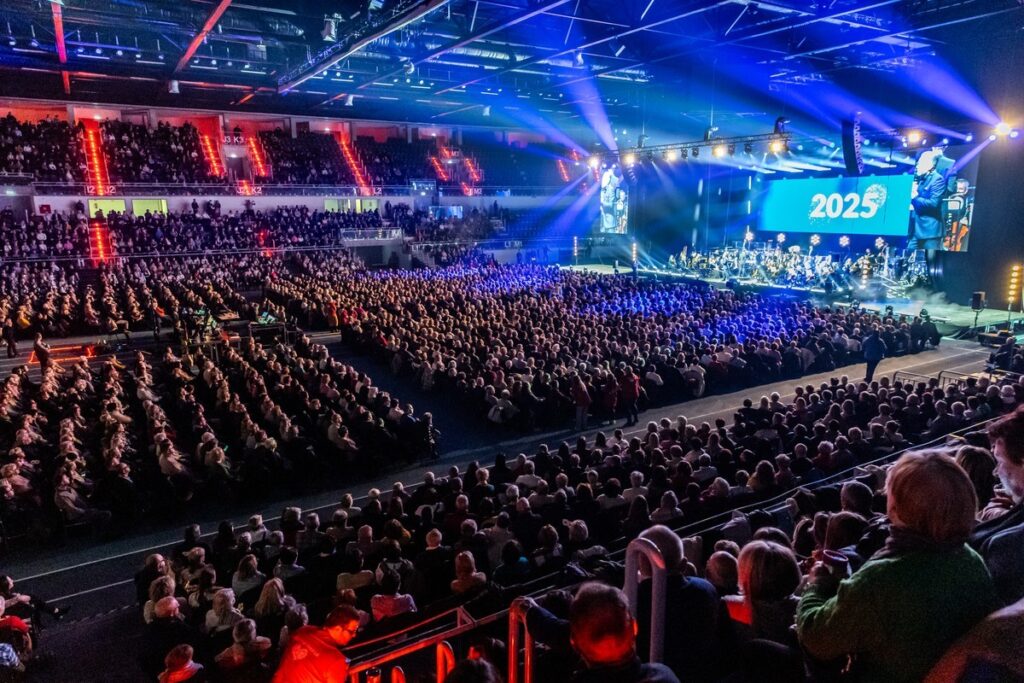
710	133
593	162
780	125
1014	134
844	241
682	153
777	146
748	148
879	242
969	137
1002	129
748	236
695	152
329	33
670	155
732	149
914	137
629	159
719	151
781	238
815	240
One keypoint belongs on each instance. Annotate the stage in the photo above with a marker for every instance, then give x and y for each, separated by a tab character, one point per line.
954	317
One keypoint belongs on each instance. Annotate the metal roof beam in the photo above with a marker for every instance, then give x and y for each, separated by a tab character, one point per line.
58	32
198	39
589	44
500	25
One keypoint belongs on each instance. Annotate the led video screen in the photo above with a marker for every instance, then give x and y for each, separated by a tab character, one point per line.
868	205
614	200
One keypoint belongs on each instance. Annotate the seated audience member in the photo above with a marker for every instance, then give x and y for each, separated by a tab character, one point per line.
166	631
768	577
602	631
15	631
246	654
312	655
691	606
467	578
180	667
914	598
1000	539
389	602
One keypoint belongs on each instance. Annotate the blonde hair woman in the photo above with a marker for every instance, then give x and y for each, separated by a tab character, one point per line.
767	575
916	596
222	615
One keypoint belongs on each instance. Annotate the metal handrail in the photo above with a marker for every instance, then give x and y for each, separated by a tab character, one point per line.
903	374
947	377
196	254
637	548
231	188
460	614
517	625
356	669
445	658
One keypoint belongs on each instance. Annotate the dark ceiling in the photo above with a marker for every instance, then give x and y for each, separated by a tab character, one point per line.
500	62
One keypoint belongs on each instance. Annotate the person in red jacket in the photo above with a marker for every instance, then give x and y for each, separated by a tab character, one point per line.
312	655
629	392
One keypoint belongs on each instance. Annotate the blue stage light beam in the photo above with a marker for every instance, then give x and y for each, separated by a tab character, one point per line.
587	99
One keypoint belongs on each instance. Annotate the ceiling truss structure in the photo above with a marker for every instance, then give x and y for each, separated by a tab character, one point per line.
459	53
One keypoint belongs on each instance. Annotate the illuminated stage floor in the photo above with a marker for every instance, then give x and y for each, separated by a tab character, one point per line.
954	315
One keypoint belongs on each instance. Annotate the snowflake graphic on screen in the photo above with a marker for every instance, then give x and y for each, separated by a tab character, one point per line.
876	194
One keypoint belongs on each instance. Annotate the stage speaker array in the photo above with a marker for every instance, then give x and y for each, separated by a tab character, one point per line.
851	147
978	301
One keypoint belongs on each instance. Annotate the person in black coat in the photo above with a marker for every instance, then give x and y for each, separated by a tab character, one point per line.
166	631
10	338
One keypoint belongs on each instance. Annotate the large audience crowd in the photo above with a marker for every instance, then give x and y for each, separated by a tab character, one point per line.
865	572
51	150
754	599
47	150
533	346
307	159
165	154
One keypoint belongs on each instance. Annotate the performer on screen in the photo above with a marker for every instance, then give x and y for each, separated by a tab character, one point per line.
930	187
610	181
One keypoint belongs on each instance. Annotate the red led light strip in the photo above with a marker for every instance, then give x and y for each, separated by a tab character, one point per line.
94	160
439	169
353	164
212	157
256	156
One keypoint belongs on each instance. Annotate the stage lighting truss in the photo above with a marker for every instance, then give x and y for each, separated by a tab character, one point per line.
775	143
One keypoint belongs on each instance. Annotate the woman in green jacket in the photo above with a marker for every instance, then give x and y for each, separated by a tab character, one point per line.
902	610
